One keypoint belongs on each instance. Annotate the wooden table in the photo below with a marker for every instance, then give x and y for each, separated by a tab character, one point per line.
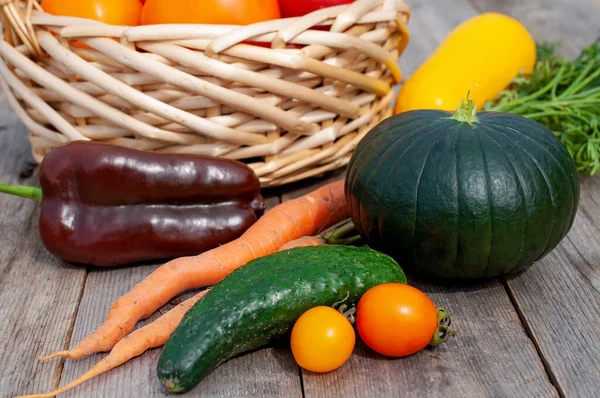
535	335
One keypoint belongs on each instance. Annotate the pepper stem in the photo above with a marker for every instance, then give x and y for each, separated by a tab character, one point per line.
466	111
443	331
22	191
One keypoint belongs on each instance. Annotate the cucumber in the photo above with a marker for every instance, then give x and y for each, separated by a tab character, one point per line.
260	301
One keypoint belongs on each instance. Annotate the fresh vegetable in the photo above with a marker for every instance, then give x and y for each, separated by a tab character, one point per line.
261	301
296	8
226	12
398	320
304	241
564	96
482	55
463	196
113	12
153	335
285	222
322	339
156	333
106	205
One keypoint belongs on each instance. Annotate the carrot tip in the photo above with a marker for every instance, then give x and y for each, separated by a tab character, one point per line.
63	354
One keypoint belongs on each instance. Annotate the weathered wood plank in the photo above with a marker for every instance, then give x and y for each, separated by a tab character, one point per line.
39	294
430	22
461	368
586	228
427	31
492	355
559	297
559	300
573	23
266	373
560	307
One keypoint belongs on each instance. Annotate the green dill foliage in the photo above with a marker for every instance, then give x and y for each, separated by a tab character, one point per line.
564	96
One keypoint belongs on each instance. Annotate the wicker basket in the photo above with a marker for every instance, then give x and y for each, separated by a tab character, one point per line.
291	110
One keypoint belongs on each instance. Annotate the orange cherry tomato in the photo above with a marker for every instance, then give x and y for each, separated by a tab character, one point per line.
113	12
227	12
396	320
322	340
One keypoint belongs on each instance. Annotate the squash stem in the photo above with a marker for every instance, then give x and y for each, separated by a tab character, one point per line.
22	191
466	111
342	233
443	331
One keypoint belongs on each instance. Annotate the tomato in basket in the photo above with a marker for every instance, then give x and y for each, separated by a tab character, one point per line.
227	12
297	8
113	12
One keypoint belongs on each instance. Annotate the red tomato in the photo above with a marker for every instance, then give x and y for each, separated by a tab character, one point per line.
396	320
297	8
113	12
227	12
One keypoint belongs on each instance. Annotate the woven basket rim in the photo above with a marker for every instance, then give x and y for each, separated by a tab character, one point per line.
33	9
326	123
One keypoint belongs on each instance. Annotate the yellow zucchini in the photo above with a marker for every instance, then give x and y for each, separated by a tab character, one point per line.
482	55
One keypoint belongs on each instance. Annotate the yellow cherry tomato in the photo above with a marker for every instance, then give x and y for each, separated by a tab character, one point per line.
482	55
322	340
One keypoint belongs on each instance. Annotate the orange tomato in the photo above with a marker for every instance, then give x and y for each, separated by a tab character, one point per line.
396	320
227	12
322	339
113	12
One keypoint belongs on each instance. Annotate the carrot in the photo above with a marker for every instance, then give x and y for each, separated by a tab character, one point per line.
303	241
285	222
154	334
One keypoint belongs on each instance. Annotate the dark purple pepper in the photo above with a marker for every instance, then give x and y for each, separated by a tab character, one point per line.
106	205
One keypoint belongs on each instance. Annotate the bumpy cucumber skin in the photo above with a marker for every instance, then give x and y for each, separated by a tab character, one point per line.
261	301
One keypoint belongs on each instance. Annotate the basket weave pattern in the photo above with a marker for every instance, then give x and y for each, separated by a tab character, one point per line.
293	107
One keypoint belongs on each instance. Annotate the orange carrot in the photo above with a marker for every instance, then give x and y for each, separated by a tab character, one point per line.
154	334
287	221
303	241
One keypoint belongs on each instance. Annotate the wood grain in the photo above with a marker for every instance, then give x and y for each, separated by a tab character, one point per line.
559	297
39	294
494	355
490	357
266	373
559	300
430	22
573	23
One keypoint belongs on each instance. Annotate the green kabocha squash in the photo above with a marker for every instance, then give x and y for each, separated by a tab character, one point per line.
463	195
